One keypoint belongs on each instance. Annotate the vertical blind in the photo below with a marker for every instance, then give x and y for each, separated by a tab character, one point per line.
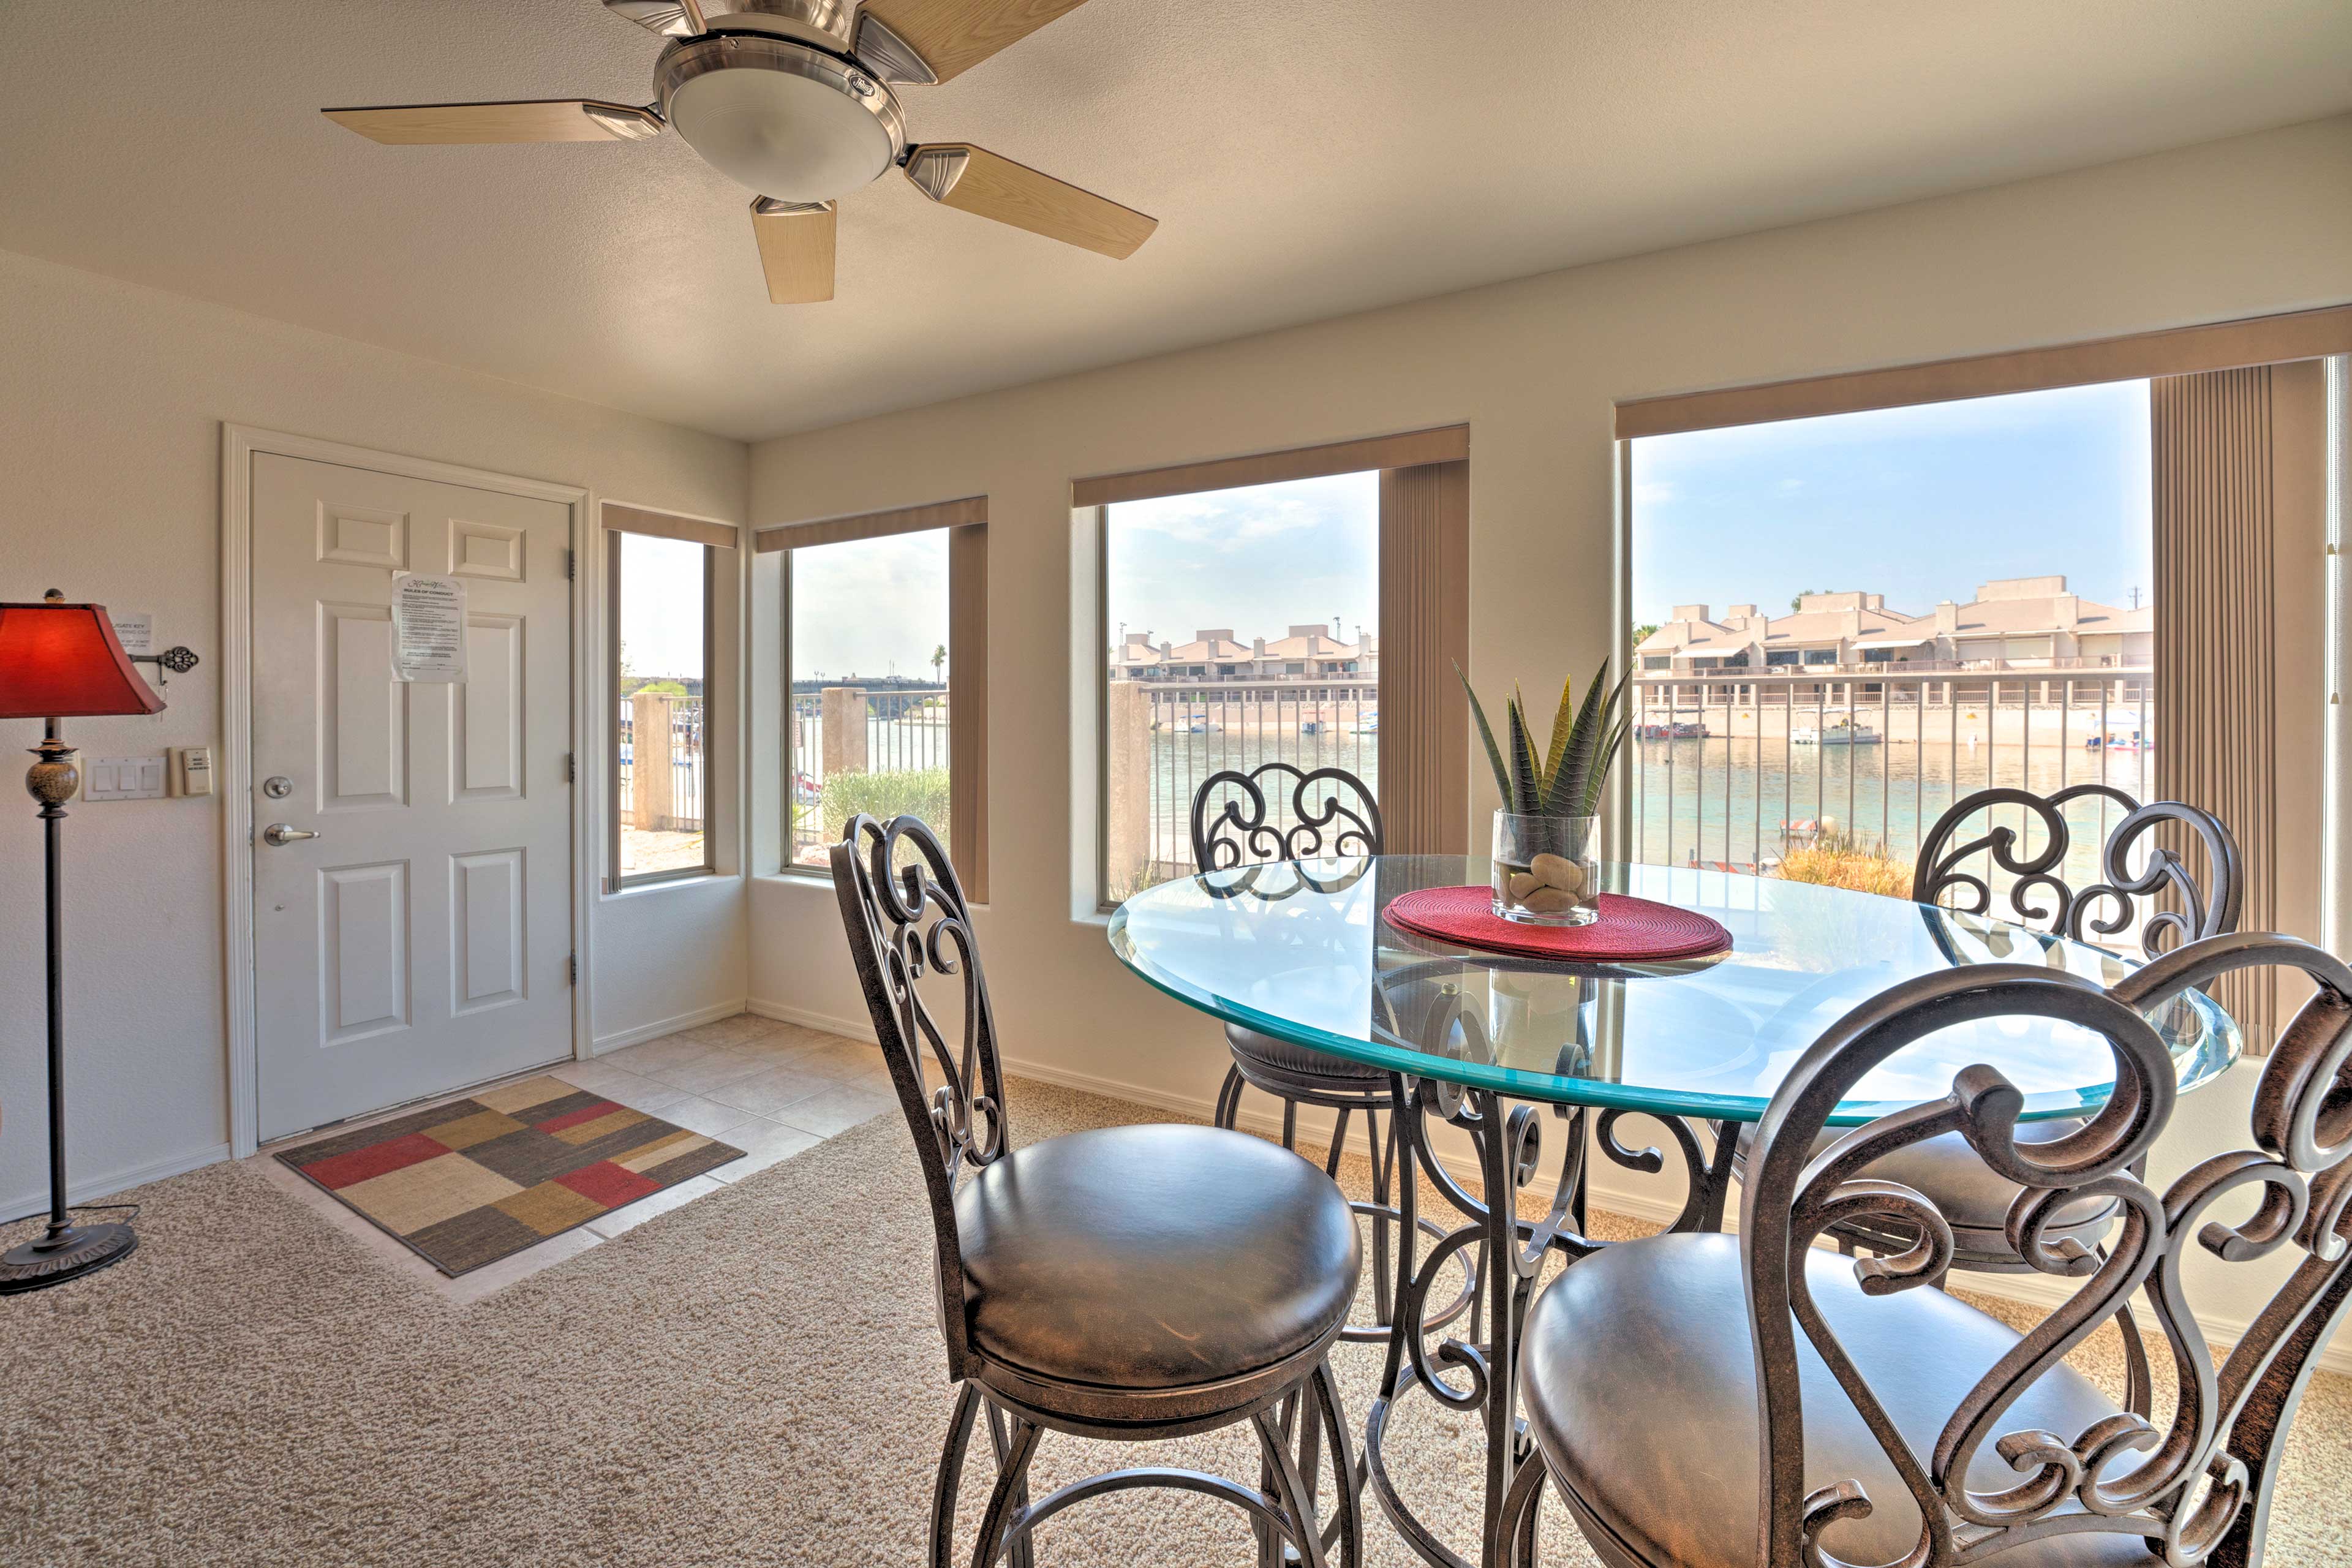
2216	606
1424	736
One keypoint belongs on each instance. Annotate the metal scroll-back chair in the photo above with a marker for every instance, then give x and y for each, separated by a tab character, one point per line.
1974	1198
1126	1283
1708	1401
1277	814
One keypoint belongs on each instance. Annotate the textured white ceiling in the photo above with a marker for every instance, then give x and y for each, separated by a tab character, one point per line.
1305	158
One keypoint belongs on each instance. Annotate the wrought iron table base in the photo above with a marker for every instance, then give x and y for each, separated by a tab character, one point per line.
1480	1373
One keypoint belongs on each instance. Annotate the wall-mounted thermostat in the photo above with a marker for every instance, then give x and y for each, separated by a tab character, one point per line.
192	770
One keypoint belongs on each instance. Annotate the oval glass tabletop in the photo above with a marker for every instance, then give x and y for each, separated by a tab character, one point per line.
1301	951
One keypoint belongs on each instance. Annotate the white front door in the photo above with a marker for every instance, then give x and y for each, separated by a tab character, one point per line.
421	942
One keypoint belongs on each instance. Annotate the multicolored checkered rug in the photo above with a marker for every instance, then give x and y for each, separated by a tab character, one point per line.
466	1182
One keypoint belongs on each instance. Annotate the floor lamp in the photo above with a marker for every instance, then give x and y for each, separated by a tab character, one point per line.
62	661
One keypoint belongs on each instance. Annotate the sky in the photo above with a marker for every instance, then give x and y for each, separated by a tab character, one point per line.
870	607
1260	559
1919	504
661	605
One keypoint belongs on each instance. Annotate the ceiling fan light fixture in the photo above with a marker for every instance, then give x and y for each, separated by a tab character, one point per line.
780	117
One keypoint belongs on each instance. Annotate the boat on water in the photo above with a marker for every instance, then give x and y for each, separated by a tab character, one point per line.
2120	739
1369	724
1684	730
1845	732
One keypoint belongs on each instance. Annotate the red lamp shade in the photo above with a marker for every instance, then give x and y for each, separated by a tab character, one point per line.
63	661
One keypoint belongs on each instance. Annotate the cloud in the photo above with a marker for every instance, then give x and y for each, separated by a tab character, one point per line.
1655	492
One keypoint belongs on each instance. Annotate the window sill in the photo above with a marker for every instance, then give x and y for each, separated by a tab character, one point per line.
810	876
667	884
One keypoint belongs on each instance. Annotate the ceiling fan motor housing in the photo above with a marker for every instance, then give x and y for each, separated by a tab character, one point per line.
780	117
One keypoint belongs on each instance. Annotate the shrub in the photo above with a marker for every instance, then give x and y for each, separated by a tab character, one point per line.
1833	861
922	793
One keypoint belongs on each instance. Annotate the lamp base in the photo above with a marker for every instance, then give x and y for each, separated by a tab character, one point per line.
82	1249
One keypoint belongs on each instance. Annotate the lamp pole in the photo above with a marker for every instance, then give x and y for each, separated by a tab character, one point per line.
66	1251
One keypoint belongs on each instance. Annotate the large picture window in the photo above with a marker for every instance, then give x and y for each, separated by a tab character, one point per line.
660	578
1304	607
1245	629
882	645
1986	563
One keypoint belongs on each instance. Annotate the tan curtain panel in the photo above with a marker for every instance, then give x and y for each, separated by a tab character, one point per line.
968	706
1424	740
2216	604
1448	444
621	518
872	524
2221	345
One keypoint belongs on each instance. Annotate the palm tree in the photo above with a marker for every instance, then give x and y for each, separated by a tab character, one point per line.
938	657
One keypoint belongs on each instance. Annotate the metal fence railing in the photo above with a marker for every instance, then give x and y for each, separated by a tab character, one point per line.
1738	768
905	744
686	752
1203	728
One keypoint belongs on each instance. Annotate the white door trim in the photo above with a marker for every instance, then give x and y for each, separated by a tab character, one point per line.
235	770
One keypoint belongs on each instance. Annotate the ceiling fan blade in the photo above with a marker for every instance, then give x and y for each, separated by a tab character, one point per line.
958	174
532	119
795	249
668	18
953	35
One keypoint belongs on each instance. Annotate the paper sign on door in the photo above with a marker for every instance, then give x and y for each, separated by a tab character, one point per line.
428	629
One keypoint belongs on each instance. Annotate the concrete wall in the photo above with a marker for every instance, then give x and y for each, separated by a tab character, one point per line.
114	396
2235	228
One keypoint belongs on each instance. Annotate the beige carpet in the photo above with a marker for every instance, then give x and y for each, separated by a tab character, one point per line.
754	1378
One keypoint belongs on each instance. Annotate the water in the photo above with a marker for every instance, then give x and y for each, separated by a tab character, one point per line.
1725	799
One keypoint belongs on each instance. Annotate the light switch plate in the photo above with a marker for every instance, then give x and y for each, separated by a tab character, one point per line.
122	778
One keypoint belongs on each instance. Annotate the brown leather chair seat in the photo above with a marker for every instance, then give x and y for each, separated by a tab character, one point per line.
1639	1379
1290	1060
1973	1200
1154	1257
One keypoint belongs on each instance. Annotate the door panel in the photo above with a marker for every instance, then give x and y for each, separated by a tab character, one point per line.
485	714
362	712
422	940
487	954
362	951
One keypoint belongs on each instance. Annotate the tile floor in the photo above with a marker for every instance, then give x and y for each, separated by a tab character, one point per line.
770	1089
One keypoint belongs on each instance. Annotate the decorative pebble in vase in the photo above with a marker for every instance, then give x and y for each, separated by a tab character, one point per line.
1546	870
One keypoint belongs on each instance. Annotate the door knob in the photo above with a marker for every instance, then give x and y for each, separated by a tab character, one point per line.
278	833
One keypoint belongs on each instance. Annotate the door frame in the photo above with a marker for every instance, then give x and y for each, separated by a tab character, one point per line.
239	445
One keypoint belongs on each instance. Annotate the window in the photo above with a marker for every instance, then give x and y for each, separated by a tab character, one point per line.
1343	570
1978	544
883	677
1240	562
660	578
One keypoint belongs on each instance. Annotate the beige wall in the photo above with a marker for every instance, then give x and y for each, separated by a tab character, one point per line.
111	402
2242	228
2236	229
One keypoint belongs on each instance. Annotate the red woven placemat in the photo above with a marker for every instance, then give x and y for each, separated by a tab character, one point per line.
1629	929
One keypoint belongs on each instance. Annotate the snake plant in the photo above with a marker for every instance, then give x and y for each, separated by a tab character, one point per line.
1566	778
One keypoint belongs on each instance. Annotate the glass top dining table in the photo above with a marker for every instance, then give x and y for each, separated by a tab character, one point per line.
1301	950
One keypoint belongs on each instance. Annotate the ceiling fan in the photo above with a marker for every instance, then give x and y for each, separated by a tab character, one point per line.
792	99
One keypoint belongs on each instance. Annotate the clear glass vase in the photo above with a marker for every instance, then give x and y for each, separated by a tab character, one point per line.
1546	870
